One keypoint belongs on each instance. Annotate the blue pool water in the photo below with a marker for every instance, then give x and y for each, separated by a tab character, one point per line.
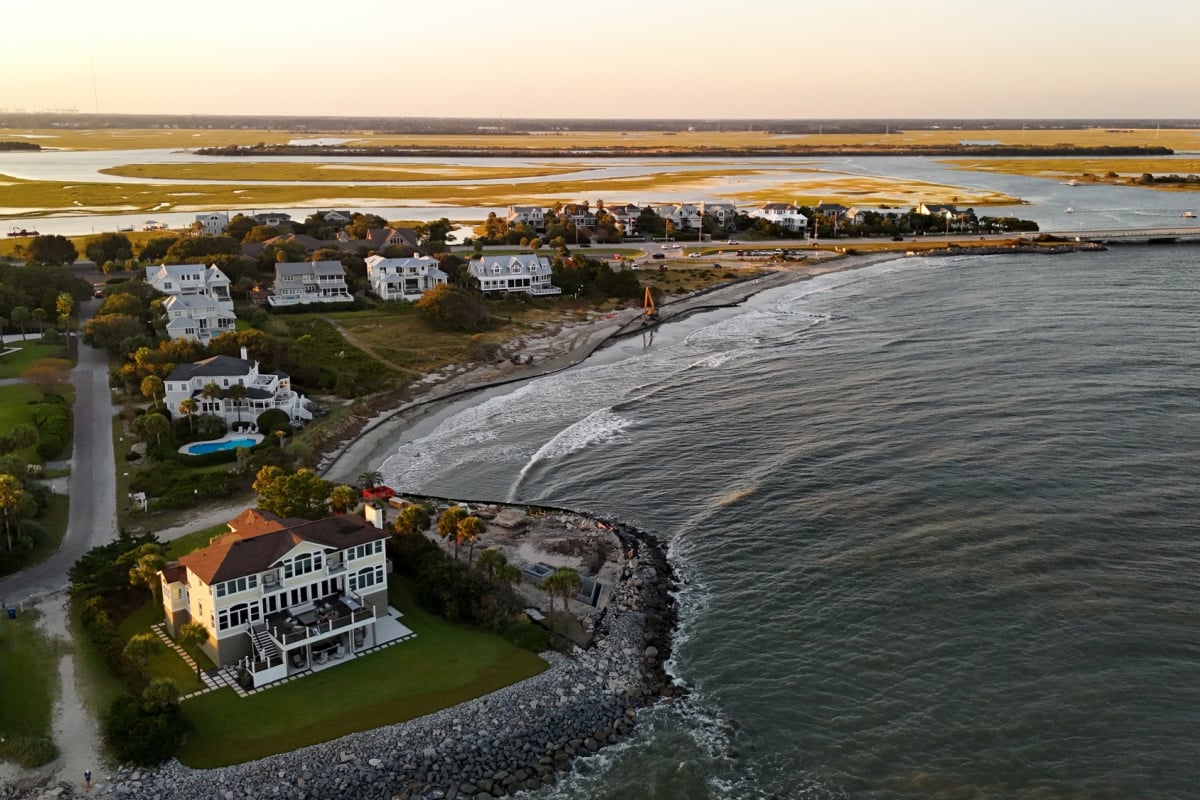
212	447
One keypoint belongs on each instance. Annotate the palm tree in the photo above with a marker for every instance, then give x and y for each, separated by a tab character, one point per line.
211	391
469	529
39	319
341	499
237	393
508	575
148	425
189	407
145	570
192	634
412	518
20	316
491	560
369	480
447	525
15	503
563	582
152	387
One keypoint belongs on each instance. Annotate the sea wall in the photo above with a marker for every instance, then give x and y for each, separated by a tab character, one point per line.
518	738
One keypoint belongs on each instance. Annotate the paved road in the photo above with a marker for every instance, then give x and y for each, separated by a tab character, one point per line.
93	511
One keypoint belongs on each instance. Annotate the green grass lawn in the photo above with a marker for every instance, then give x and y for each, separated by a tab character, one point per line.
443	666
14	405
13	364
28	681
163	662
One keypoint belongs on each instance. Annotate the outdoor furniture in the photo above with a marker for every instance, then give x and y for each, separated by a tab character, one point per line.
321	656
297	660
340	651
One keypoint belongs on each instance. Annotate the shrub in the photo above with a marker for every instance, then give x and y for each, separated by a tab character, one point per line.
273	420
143	733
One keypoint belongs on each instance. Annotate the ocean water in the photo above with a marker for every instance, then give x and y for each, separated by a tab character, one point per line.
936	520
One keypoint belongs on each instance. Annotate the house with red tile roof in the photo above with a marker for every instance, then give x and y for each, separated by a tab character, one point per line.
279	595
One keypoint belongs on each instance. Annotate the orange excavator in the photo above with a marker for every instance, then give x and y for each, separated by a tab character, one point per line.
649	311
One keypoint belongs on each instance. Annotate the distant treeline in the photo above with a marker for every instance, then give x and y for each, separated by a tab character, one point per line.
337	151
484	126
19	146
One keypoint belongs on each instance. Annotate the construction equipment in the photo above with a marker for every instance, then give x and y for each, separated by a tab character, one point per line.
649	312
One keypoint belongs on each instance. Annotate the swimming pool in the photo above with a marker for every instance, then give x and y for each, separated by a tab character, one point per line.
212	447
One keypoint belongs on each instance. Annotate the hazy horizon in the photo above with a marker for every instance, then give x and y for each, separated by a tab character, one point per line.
670	60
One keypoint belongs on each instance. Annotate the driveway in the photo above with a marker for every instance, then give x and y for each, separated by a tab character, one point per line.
93	509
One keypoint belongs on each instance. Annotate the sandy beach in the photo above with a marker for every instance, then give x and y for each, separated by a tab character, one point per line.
560	349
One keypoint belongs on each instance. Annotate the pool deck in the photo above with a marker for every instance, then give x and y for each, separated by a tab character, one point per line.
229	437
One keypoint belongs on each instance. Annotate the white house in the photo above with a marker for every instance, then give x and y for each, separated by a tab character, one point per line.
309	282
213	223
194	279
533	216
280	595
527	273
197	317
681	215
581	216
929	209
272	219
403	278
627	218
785	215
261	391
724	214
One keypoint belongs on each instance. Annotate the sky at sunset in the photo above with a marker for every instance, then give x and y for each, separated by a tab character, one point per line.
620	58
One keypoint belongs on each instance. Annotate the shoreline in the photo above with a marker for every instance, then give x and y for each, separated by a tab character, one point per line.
371	444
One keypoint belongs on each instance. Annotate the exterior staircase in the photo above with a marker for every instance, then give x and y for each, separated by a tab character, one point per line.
263	646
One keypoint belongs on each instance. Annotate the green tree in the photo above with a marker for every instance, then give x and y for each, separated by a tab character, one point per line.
237	393
144	572
22	436
15	504
191	635
469	530
211	392
109	247
370	479
341	499
491	560
454	308
563	582
148	425
64	304
141	646
156	249
152	388
302	493
50	250
39	318
111	331
508	575
411	519
188	407
20	317
447	525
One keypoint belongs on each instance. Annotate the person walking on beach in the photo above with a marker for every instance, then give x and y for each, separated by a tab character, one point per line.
87	779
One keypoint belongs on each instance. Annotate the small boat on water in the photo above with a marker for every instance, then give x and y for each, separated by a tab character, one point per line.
1188	215
1068	210
23	232
1072	182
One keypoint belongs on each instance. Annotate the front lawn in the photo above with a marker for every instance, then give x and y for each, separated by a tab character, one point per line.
163	662
15	408
13	364
28	681
443	666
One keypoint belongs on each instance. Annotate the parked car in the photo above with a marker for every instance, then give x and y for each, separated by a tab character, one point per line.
733	241
658	255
